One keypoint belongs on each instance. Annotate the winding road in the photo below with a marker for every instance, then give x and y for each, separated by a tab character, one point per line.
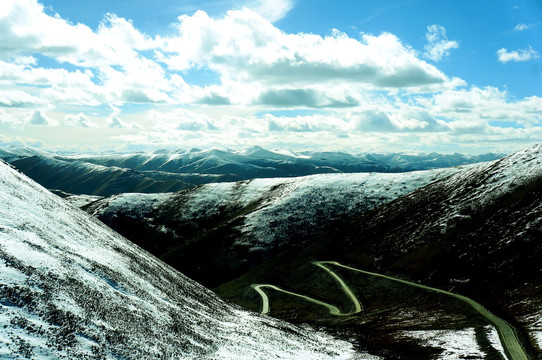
507	335
333	310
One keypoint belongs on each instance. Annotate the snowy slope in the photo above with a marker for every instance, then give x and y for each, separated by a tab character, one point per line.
478	231
246	221
70	288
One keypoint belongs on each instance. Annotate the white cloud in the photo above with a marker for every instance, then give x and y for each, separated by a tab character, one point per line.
271	10
244	47
403	119
39	117
483	105
181	120
522	26
19	141
114	121
79	120
10	119
517	55
299	98
438	44
253	58
312	123
113	52
20	99
370	89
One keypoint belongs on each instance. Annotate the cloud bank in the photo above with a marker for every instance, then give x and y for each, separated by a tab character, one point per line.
238	79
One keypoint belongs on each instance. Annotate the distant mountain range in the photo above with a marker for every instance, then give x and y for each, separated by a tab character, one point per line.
166	171
70	288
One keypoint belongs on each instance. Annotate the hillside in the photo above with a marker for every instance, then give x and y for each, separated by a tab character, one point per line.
476	233
216	232
73	289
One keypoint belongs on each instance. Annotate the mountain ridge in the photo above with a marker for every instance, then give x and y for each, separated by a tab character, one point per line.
164	171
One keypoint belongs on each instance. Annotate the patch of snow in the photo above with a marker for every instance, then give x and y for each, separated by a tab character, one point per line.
311	202
272	209
493	337
537	337
533	323
459	344
82	200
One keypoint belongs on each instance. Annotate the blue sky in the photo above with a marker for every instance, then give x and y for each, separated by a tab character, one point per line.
445	76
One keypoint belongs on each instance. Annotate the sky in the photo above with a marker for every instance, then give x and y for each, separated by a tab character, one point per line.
365	76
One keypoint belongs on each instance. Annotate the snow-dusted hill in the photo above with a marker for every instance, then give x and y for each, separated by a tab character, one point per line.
70	288
245	222
477	233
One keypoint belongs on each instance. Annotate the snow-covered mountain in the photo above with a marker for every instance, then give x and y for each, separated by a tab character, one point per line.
71	288
168	170
477	233
215	232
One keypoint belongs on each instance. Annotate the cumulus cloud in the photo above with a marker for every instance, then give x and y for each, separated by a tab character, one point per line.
244	47
10	119
19	141
373	121
372	86
405	119
517	55
181	120
483	105
252	58
19	99
297	98
28	29
114	52
438	44
38	117
79	120
311	123
114	121
271	10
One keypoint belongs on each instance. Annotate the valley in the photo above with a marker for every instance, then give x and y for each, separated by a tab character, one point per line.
412	266
507	335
